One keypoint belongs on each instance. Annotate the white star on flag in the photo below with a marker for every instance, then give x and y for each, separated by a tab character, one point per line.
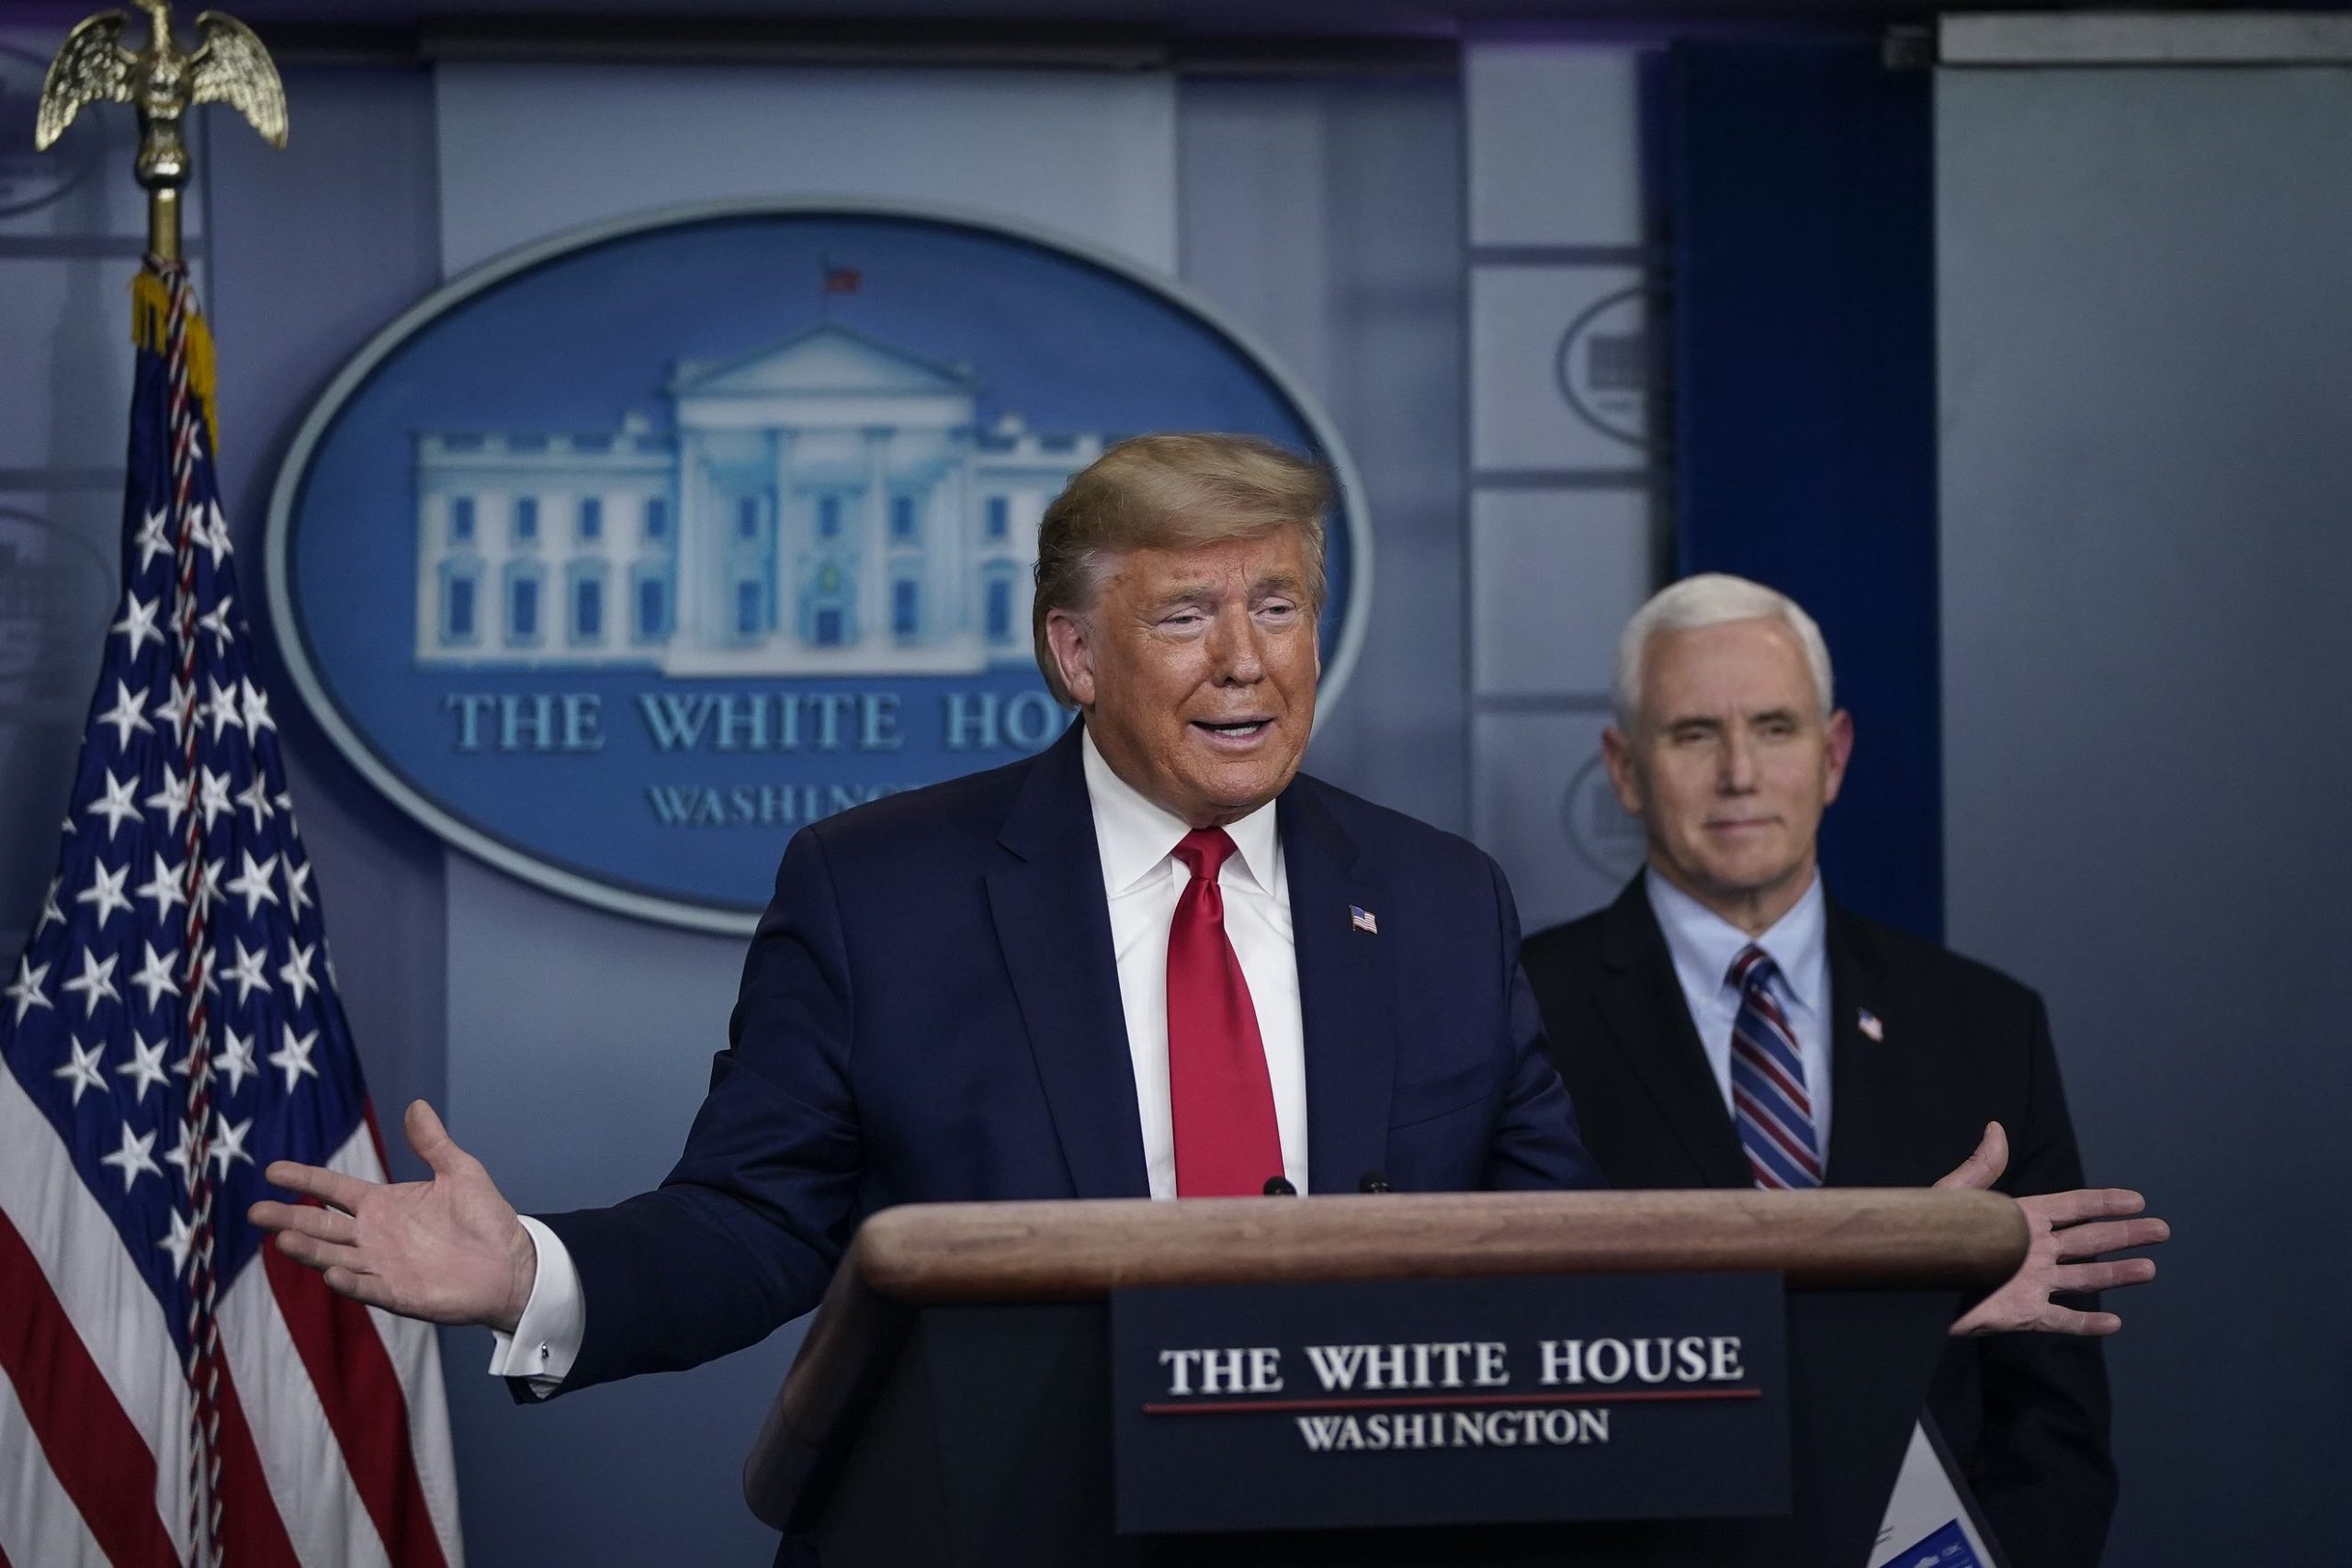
118	803
212	792
183	1237
220	707
105	890
253	886
162	889
236	1059
183	1154
49	913
246	972
178	709
294	1058
217	623
171	800
83	1069
258	715
96	982
295	973
298	885
133	1159
154	975
126	715
25	989
229	1142
151	541
254	798
146	1064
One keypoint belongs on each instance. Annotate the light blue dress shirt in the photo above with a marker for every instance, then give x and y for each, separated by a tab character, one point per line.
1703	945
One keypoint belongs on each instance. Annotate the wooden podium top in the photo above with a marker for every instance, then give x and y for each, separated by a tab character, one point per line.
947	1254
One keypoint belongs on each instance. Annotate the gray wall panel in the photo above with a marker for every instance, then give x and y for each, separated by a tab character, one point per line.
2146	653
1324	218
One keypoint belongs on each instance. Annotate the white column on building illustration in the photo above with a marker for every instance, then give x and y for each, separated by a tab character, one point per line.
955	586
695	546
874	547
782	551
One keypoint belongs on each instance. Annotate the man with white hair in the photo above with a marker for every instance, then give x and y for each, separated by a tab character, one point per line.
1724	1024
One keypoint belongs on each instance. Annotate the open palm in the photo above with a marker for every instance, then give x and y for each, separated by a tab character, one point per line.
447	1251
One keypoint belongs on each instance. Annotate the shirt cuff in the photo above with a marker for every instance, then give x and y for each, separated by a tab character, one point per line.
546	1340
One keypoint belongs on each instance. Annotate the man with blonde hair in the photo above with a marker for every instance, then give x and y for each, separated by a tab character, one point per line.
1724	1024
1153	960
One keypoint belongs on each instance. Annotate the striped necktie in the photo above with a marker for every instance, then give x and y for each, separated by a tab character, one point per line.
1768	1094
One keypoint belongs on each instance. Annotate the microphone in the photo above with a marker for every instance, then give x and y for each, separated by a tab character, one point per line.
1373	1181
1279	1187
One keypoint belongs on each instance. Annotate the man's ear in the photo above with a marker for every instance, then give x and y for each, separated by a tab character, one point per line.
1840	748
1073	647
1623	776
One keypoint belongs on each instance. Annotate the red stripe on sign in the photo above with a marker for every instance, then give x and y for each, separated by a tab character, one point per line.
97	1454
253	1533
360	1391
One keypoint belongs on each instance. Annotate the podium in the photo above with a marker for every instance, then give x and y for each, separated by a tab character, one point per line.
953	1401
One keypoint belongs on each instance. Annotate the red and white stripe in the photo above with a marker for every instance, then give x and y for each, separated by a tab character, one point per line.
333	1443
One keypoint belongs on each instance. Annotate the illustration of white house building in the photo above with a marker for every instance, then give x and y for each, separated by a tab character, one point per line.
826	505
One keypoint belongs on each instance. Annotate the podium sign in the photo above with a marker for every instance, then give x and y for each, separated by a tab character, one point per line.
1430	1401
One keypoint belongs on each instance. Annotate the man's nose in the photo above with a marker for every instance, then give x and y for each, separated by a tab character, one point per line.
1236	658
1738	776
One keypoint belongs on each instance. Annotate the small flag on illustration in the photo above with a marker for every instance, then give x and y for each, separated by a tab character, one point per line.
1867	1022
1363	919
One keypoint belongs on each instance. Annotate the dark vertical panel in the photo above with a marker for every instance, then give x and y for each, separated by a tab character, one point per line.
1805	420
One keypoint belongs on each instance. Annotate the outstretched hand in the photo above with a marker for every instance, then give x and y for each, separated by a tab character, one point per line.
446	1250
2070	1233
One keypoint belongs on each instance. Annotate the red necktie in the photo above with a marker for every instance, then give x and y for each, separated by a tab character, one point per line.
1221	1100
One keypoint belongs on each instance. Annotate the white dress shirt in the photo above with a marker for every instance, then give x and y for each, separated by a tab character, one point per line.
1135	841
1703	944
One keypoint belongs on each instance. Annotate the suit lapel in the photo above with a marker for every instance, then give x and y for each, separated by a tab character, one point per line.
1343	994
1868	1078
1054	925
1639	993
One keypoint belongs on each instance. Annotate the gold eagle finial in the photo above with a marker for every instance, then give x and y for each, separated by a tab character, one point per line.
227	66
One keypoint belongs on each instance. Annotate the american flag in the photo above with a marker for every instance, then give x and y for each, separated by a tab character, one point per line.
174	1392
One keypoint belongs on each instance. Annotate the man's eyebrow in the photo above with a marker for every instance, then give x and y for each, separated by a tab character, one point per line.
1185	593
1277	582
1774	716
1691	721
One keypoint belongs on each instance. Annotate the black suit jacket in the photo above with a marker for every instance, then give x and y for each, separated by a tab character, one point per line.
1963	1045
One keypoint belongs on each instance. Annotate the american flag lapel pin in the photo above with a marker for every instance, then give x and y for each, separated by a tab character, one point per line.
1363	919
1867	1022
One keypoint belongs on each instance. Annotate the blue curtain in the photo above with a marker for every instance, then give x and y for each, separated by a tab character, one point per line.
1803	206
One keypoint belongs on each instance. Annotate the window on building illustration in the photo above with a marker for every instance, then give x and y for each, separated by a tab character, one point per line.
1000	517
828	516
828	625
456	609
905	607
591	518
653	609
747	516
902	519
999	609
747	609
523	610
527	517
461	519
588	610
657	516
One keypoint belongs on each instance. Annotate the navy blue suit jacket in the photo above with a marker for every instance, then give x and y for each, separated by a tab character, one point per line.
930	1012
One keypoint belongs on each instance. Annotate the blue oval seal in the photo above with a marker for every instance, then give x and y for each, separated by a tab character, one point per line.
620	559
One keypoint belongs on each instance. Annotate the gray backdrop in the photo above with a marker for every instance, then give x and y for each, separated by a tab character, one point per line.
2144	347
